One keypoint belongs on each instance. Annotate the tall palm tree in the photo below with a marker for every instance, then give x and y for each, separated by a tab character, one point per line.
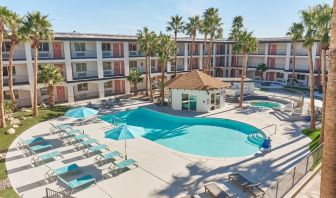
236	29
309	38
323	17
247	43
175	25
215	31
146	42
15	36
205	30
50	76
191	29
328	176
36	27
4	15
166	50
135	77
295	31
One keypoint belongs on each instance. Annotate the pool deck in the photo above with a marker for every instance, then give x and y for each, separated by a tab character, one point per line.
162	172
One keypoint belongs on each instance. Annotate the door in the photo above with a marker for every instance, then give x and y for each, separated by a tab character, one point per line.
117	86
117	70
57	48
192	103
185	102
60	93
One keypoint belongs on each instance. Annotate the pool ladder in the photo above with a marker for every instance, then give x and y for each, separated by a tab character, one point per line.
258	137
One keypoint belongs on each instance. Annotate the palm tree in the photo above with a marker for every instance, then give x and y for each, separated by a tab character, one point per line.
247	43
296	33
175	25
135	77
4	15
236	29
328	176
205	29
146	42
215	31
36	27
262	67
14	27
50	76
191	29
309	38
166	50
323	17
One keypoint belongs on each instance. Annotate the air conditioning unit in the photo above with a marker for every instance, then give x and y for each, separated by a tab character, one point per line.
80	54
43	54
81	74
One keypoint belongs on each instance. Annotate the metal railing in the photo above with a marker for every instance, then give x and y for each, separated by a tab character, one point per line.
135	53
299	52
110	54
293	176
18	55
54	194
278	52
139	69
86	95
17	80
268	126
85	74
258	52
48	55
108	93
84	54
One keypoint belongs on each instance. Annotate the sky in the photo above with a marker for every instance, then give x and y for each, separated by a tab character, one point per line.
266	18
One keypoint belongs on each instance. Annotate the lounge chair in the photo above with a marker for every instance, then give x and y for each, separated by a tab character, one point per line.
42	158
216	191
67	134
86	143
247	185
38	148
95	149
266	145
76	139
118	167
77	183
58	128
106	156
72	168
30	142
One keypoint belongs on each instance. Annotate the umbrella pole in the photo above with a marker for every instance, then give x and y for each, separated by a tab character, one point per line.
82	127
125	151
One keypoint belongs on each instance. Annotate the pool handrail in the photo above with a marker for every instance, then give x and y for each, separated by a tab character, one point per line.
261	129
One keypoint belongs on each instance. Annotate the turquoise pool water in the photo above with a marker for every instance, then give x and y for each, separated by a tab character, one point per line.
265	104
209	137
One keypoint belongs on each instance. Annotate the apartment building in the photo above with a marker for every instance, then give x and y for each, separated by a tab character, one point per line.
96	65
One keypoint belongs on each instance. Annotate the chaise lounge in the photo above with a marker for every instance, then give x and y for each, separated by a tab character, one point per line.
247	185
77	183
40	159
118	167
69	169
216	191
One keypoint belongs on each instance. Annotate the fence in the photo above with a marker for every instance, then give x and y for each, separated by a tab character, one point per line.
54	194
292	177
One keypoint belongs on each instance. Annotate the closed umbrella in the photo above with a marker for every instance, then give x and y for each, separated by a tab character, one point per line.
81	113
124	132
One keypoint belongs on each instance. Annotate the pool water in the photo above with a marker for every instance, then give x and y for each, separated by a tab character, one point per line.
210	137
265	104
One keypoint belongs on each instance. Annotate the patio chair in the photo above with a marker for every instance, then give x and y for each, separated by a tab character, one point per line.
30	142
266	145
95	149
247	185
118	167
40	159
106	156
86	143
77	183
38	148
67	134
76	139
69	169
216	191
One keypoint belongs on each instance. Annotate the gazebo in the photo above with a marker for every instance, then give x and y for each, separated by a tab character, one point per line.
196	91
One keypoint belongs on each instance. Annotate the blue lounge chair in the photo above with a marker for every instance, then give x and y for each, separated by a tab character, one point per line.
72	168
30	142
78	182
42	158
118	167
58	128
86	143
77	138
266	145
39	147
68	134
95	149
106	156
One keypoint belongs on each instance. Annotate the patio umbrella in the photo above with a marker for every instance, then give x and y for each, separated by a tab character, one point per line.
124	132
81	113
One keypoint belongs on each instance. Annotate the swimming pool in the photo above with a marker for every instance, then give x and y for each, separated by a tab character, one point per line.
265	104
210	137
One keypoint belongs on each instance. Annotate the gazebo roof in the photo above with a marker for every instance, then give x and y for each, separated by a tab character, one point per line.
196	80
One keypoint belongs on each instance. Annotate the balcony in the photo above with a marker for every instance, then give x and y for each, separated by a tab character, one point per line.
139	69
17	80
85	74
86	96
109	54
83	54
259	52
278	66
47	55
18	55
135	54
110	73
113	92
280	52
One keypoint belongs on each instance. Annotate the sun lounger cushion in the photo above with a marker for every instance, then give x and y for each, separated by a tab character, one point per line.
110	155
42	146
63	126
98	147
239	179
47	156
89	142
125	163
66	169
34	141
73	132
80	137
86	179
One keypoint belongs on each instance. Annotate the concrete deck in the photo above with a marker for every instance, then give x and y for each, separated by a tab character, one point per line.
162	172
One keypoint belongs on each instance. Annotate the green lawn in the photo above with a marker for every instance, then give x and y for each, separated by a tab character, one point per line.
314	136
6	140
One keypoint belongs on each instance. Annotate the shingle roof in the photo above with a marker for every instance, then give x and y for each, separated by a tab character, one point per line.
196	80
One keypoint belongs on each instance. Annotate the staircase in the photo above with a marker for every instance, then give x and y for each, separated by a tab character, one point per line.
256	138
54	194
283	116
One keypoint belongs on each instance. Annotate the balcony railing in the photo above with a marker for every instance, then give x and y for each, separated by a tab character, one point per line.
259	52
113	92
84	54
18	55
180	52
278	52
300	52
110	73
86	95
139	69
109	54
135	53
178	68
47	55
17	80
85	74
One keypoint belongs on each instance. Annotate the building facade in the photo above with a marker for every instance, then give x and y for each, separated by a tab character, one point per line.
96	65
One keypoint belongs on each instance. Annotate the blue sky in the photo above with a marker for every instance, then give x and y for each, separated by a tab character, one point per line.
267	18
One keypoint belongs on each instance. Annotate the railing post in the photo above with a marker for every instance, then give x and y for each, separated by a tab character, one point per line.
276	191
294	176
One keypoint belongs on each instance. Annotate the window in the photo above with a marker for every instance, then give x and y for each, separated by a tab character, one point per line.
132	64
79	46
81	67
44	47
279	75
5	71
7	95
44	91
300	77
132	47
106	47
108	84
83	87
6	47
107	66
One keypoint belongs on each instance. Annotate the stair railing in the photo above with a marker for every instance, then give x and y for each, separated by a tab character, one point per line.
268	126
